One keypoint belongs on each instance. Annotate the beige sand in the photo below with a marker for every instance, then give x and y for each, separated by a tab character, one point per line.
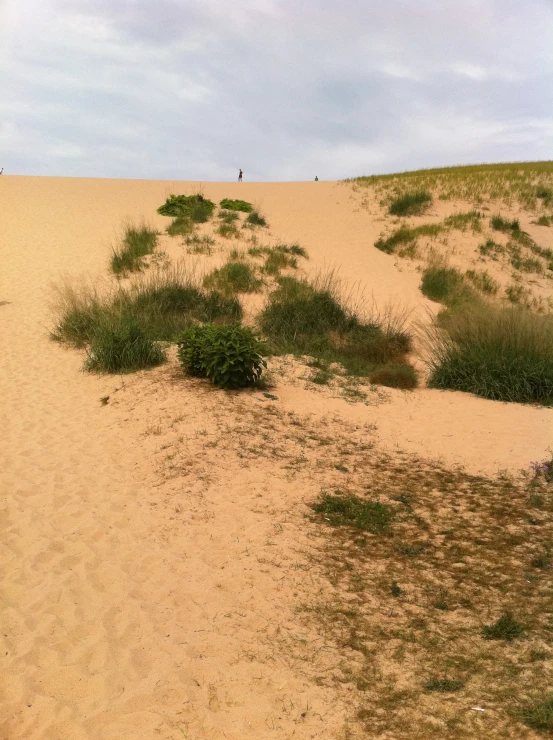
152	559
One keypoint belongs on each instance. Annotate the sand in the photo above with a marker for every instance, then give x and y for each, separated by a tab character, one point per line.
152	564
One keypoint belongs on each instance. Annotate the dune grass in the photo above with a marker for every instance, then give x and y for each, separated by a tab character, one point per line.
483	281
181	226
236	276
194	207
236	205
410	204
446	285
500	353
199	244
228	230
311	318
120	327
138	241
406	235
256	219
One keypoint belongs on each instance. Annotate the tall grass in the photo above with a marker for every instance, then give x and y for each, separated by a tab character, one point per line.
137	242
311	318
181	226
410	204
236	276
500	353
123	322
446	285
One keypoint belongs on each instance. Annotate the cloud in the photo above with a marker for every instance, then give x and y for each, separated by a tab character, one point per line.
194	89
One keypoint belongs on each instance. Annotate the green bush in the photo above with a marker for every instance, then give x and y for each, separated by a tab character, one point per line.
410	204
236	205
446	285
195	207
137	243
256	219
181	226
309	319
234	277
230	356
500	353
120	345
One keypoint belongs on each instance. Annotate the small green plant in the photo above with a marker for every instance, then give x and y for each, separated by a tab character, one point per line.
410	204
505	628
343	509
122	345
443	685
500	224
395	590
195	207
228	230
395	376
236	205
256	219
199	244
278	259
544	221
539	714
230	356
321	377
491	248
408	237
228	216
180	226
464	221
138	242
236	276
482	281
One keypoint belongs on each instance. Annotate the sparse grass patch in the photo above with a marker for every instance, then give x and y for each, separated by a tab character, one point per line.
256	219
410	204
199	244
228	216
505	628
181	226
236	205
504	354
500	224
446	285
539	714
545	194
138	242
228	230
544	221
464	221
194	207
443	685
491	248
406	236
342	509
236	276
482	281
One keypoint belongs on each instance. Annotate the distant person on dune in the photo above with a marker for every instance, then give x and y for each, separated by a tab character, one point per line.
240	176
2	170
316	178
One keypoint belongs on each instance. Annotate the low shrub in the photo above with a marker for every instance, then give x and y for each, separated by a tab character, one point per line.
395	376
236	276
195	207
138	242
310	319
256	219
410	204
230	356
505	628
500	353
180	226
236	205
342	509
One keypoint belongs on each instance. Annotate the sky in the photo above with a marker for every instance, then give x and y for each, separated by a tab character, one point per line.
284	89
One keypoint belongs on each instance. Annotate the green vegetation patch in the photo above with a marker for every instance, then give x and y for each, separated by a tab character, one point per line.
230	356
505	628
395	376
343	509
464	221
482	281
443	685
236	205
410	204
120	344
236	276
195	207
446	285
181	226
228	230
256	219
138	242
500	224
500	353
539	714
309	319
406	236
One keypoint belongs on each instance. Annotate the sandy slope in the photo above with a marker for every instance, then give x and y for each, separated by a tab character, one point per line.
150	578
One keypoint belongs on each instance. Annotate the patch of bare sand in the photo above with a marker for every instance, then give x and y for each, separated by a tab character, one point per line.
151	573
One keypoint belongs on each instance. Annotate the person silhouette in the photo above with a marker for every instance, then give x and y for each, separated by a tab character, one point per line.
316	178
1	171
240	176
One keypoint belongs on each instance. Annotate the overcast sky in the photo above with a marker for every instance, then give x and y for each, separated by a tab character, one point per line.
285	89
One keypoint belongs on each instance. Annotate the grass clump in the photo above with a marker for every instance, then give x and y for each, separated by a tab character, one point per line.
544	221
539	715
341	509
236	205
138	242
491	248
256	219
395	376
545	194
228	230
180	226
230	356
500	353
446	285
482	281
236	276
310	319
505	628
194	207
500	224
120	344
464	221
407	236
199	244
228	216
443	685
410	204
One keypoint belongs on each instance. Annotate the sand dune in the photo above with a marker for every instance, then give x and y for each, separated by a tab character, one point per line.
149	591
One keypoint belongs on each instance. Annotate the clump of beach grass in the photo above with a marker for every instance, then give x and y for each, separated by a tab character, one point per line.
195	207
181	226
236	205
256	219
410	204
138	241
236	276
